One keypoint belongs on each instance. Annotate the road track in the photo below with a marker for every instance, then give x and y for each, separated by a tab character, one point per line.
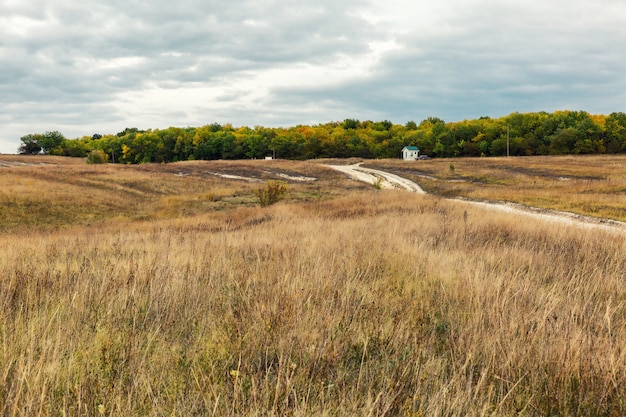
388	180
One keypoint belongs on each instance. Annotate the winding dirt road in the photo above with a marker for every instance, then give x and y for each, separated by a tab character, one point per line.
392	181
373	176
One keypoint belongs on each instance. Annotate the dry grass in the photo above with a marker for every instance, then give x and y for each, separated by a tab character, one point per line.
52	192
588	185
371	303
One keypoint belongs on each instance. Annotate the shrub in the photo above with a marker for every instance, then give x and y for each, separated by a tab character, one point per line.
97	156
273	192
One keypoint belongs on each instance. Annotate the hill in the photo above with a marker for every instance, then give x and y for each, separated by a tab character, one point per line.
166	289
51	192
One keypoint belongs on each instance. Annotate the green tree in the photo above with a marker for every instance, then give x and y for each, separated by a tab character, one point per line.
112	145
147	147
97	156
77	148
129	131
168	138
206	143
411	125
563	141
350	124
51	142
615	132
30	144
228	143
444	139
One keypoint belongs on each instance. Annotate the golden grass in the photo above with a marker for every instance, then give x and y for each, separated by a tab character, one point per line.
589	185
137	291
375	303
52	192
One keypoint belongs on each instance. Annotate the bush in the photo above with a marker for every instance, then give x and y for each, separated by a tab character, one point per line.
273	192
97	156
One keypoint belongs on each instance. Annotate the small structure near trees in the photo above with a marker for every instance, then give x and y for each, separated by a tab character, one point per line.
410	153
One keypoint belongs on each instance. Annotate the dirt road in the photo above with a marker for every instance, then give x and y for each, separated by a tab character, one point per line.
374	176
392	181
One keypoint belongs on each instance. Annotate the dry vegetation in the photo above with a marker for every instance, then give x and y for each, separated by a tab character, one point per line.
51	192
589	185
367	303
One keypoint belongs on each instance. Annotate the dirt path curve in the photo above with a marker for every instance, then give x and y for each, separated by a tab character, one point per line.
392	181
373	176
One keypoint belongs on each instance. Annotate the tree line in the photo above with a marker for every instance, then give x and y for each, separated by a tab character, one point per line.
540	133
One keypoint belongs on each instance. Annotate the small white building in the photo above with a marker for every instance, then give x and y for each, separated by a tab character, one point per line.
410	153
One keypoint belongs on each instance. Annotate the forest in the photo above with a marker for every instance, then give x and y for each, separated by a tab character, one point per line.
519	134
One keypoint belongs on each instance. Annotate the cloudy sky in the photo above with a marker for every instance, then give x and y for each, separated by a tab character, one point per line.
99	66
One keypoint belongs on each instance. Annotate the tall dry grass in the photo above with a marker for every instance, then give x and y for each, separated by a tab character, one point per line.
377	303
45	192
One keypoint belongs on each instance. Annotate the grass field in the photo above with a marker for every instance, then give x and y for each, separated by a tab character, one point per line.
588	185
54	192
167	290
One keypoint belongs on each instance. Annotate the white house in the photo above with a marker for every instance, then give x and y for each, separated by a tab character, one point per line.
410	153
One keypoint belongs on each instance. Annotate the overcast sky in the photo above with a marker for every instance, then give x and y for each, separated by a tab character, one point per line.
98	66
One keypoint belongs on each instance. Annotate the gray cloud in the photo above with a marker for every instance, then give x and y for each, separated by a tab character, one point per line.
98	65
71	48
493	60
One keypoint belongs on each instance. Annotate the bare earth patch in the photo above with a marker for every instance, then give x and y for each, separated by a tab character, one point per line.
373	176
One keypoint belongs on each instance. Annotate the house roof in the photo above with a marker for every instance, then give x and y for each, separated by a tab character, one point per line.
411	148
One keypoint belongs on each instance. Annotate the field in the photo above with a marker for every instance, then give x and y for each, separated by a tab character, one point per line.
588	185
157	290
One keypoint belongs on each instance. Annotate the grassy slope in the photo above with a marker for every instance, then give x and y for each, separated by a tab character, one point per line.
55	192
357	303
588	185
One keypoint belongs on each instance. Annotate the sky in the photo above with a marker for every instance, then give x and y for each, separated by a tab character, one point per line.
98	66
